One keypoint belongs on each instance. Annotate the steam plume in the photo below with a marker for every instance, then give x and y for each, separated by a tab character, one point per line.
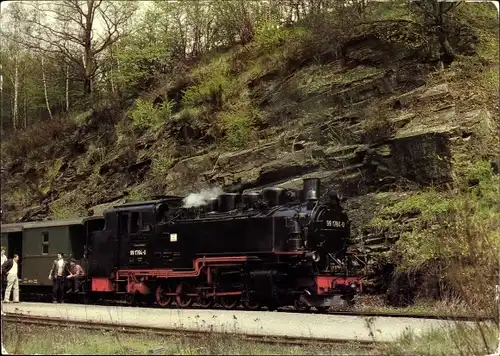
197	199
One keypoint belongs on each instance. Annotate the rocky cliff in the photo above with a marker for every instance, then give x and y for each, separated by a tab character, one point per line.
375	120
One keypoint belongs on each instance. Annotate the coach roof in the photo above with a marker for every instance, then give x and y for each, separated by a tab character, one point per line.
45	224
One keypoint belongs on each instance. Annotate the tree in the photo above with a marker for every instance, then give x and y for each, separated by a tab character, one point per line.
13	52
70	28
435	15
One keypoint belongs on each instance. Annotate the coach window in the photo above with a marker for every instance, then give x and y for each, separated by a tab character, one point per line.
45	242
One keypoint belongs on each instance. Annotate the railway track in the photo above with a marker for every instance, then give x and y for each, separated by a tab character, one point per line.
124	328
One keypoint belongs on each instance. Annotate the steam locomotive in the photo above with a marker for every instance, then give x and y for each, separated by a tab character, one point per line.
270	248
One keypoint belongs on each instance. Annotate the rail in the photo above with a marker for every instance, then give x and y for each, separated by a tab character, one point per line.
134	329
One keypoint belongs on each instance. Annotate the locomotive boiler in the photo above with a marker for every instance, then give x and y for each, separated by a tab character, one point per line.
271	248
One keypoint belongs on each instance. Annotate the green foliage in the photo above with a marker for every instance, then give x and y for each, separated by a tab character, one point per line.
145	115
139	60
82	117
389	10
238	126
453	226
160	165
213	80
269	35
70	205
19	196
190	112
453	339
419	204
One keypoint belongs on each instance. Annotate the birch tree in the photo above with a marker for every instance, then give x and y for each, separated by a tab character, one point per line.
12	20
70	28
45	90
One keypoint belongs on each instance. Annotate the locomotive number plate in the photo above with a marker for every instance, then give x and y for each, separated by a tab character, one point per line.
335	223
137	252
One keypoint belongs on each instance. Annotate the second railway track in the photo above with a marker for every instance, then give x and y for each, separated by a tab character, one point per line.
124	328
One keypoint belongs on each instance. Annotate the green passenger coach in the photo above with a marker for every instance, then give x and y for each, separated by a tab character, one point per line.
38	243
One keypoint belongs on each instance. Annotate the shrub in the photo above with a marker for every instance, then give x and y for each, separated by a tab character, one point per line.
40	135
160	165
70	205
145	115
212	80
270	35
239	126
457	236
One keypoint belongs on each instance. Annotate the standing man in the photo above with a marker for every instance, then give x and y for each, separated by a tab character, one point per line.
10	269
4	259
58	274
75	276
4	256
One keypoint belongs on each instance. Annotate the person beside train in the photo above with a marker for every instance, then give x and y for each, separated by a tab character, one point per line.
75	276
58	274
4	259
4	256
10	269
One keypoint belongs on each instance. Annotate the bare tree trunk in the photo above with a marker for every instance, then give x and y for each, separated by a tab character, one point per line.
16	93
25	111
67	88
118	69
45	90
111	70
111	80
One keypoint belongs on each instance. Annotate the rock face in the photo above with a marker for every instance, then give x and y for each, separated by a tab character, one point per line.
423	156
362	117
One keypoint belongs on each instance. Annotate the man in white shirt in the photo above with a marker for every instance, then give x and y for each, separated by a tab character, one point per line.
4	256
4	259
58	275
10	268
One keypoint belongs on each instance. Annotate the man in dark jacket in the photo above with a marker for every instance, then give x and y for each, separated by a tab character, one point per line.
58	274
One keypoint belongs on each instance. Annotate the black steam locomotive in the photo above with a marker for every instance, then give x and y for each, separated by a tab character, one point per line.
277	247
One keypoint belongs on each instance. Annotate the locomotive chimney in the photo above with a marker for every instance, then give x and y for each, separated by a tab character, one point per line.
312	189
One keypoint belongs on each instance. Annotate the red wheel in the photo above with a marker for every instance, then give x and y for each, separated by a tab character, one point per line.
230	301
162	298
204	300
182	299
